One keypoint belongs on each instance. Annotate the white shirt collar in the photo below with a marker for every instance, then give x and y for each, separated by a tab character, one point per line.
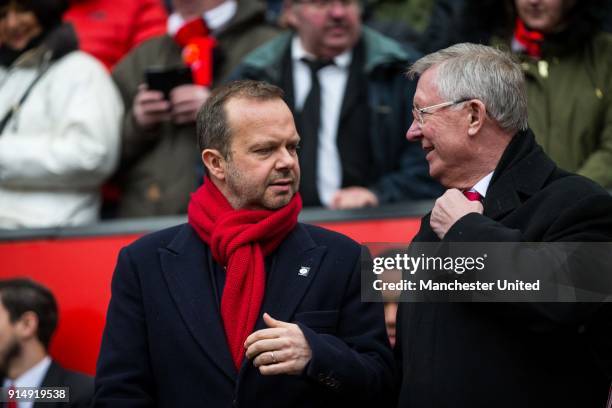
483	185
215	18
33	377
298	52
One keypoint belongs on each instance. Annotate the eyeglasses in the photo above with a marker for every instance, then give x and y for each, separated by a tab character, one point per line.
325	4
417	113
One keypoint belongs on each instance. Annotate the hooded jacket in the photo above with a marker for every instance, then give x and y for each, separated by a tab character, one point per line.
62	141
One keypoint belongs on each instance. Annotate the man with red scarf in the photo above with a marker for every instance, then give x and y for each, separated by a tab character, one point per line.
243	306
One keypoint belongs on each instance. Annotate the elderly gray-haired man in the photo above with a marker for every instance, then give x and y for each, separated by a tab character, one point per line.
470	117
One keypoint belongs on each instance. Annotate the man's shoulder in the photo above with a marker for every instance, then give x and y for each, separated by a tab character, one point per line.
383	50
574	186
147	50
269	53
331	239
162	238
81	386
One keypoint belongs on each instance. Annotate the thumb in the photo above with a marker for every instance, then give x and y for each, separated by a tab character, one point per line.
272	322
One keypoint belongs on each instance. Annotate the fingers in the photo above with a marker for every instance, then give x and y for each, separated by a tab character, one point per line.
261	335
285	367
189	93
185	112
262	346
271	357
272	322
150	107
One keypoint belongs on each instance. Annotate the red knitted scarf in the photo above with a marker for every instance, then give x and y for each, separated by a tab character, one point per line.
531	40
197	50
239	240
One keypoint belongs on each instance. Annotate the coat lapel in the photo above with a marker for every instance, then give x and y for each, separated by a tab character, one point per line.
295	266
186	270
522	171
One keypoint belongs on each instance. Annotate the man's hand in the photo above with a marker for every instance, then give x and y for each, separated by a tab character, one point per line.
150	108
186	101
280	349
353	197
449	208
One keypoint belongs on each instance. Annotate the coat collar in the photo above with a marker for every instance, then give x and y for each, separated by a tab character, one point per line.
185	269
521	172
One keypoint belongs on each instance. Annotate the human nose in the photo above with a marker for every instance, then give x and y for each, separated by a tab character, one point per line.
10	19
287	159
414	132
337	8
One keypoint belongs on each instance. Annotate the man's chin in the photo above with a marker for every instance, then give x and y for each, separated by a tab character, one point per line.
278	202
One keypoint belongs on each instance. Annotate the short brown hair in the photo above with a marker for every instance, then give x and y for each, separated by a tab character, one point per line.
213	129
19	296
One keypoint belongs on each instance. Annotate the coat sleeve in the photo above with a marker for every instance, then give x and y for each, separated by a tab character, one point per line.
357	361
123	373
81	149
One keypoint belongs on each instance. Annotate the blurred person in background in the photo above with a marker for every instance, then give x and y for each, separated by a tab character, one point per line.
159	164
59	120
567	59
346	87
28	318
109	29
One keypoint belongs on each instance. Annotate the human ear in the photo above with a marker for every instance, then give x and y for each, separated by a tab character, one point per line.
478	114
27	325
214	162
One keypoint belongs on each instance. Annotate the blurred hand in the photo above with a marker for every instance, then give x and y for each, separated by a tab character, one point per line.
449	208
186	101
150	108
353	197
280	349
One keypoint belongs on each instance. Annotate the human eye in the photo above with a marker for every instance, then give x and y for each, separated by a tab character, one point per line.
263	150
293	147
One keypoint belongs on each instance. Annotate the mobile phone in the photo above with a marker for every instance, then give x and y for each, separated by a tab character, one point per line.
164	79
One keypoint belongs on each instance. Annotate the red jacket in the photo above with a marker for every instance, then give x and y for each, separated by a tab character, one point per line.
108	29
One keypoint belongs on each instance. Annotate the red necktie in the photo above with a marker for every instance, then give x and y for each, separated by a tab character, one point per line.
472	195
11	403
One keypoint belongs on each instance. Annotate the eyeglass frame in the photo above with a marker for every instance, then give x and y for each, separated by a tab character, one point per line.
417	113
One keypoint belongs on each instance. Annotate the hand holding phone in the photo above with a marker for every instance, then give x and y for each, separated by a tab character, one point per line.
186	101
150	107
165	79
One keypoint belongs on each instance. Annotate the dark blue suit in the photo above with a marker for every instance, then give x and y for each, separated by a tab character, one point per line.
164	343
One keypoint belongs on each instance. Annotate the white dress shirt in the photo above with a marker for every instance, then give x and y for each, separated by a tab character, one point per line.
215	18
31	378
483	185
332	79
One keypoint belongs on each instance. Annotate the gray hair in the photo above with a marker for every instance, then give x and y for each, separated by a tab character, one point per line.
471	71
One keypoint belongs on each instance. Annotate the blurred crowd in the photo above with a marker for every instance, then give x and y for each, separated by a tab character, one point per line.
99	98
